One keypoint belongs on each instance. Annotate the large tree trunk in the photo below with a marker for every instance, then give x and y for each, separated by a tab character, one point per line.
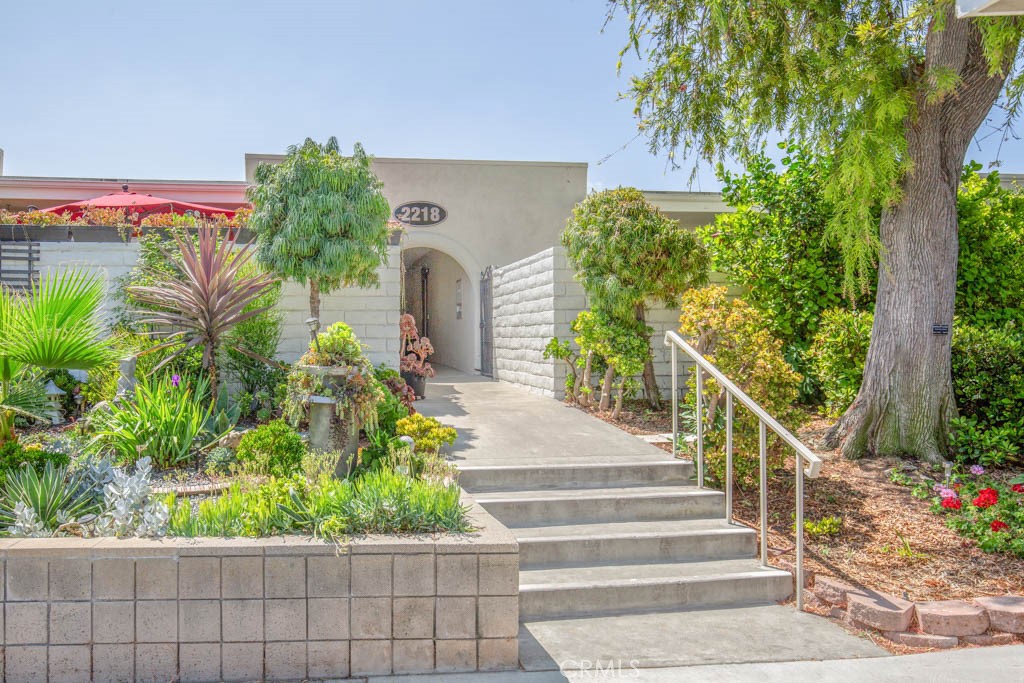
651	390
906	398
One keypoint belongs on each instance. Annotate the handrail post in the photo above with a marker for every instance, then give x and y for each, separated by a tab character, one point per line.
675	402
728	457
799	533
699	413
763	458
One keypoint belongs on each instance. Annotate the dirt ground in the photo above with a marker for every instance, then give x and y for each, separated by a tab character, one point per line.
890	541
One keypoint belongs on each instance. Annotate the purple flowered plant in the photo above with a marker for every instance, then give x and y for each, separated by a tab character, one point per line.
977	470
175	381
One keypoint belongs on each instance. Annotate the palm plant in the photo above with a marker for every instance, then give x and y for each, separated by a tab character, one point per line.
211	294
54	325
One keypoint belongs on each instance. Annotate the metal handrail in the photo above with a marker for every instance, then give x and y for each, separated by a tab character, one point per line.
806	458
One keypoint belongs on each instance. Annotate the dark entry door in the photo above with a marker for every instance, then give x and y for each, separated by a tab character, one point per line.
487	322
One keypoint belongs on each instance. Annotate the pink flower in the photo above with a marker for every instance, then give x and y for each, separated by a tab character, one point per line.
977	470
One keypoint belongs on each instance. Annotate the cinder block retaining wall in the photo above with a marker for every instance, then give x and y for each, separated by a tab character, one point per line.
253	609
373	313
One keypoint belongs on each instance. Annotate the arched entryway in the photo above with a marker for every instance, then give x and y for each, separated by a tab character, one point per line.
441	290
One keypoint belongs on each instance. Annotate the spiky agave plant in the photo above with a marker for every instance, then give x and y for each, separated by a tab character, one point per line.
55	324
205	301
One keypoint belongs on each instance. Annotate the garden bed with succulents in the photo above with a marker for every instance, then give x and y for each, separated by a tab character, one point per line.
155	445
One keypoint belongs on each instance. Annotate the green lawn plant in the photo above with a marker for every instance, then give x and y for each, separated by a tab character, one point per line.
381	501
43	500
427	433
274	449
735	337
163	420
56	324
836	356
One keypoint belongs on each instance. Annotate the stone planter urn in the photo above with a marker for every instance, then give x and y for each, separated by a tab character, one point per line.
327	430
418	383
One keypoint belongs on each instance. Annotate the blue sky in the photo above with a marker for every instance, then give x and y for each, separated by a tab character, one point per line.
184	89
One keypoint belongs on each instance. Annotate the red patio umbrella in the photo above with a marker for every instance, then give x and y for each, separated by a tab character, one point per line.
142	204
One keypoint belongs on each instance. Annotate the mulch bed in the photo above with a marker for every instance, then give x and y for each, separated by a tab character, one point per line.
890	541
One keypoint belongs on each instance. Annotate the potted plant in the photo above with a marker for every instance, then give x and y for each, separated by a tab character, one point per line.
333	388
415	351
33	226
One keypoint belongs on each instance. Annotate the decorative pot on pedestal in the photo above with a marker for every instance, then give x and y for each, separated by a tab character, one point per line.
329	431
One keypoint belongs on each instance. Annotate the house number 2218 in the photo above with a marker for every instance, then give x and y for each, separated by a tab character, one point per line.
420	213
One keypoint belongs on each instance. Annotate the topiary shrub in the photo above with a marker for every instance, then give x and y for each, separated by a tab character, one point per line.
735	337
837	354
274	448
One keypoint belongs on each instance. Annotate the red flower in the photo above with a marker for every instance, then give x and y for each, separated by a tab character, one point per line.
999	526
1018	488
986	498
951	503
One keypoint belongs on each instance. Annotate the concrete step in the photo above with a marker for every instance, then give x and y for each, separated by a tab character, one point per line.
595	505
615	588
477	479
657	541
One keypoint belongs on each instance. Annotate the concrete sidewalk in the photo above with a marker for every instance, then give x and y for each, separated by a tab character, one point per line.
500	424
992	664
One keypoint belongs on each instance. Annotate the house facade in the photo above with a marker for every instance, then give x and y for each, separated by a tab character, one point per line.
478	264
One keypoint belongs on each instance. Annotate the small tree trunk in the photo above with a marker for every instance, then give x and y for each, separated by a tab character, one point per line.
619	395
651	390
314	299
906	398
586	389
606	389
571	386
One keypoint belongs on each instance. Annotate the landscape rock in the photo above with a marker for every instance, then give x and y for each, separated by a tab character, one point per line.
988	639
232	438
951	618
789	566
832	591
921	639
879	611
1005	613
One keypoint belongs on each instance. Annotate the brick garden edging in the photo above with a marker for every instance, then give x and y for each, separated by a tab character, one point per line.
280	608
930	624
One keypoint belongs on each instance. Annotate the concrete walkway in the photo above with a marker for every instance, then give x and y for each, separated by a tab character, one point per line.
501	426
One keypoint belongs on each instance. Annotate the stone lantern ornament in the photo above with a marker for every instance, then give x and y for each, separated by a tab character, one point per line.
333	390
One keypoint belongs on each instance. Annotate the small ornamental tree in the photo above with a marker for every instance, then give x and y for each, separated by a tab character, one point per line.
320	218
626	252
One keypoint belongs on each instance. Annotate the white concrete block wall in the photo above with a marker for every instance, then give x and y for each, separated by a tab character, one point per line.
524	321
372	313
538	298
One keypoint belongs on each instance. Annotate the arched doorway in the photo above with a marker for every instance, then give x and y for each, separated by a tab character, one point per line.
441	290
